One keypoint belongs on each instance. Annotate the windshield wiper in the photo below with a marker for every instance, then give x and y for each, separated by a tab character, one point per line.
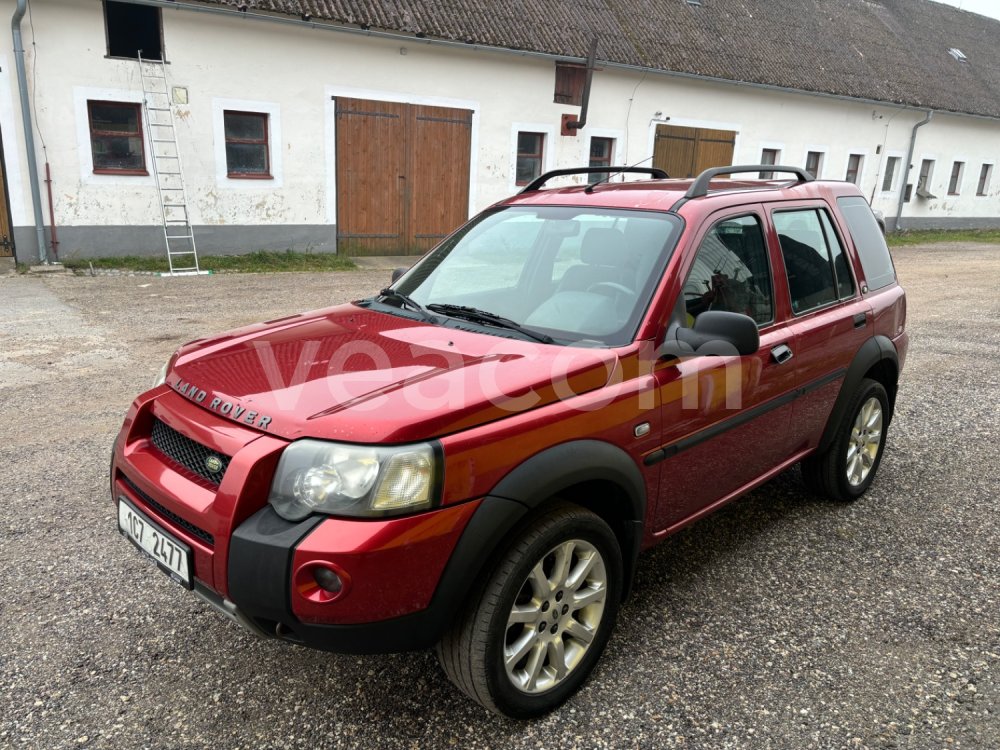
406	300
482	316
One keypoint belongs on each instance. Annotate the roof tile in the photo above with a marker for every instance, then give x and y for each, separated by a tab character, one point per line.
885	50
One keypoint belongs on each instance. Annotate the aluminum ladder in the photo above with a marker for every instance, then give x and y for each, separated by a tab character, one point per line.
178	234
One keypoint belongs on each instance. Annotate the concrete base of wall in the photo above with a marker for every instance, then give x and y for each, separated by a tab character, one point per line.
945	222
107	241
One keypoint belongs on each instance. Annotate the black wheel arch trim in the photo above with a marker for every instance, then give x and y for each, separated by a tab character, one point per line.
262	548
548	473
874	351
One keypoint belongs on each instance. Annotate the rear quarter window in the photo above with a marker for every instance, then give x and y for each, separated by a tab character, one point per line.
868	239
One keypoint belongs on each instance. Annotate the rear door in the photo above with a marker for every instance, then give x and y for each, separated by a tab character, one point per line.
725	419
830	320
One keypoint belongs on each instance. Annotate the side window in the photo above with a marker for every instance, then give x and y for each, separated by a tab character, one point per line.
731	272
869	240
811	280
841	267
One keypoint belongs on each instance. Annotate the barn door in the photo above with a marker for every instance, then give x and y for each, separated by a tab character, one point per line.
371	167
438	181
402	175
687	152
6	230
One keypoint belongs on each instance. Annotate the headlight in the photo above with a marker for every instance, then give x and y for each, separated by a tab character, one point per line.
162	377
353	480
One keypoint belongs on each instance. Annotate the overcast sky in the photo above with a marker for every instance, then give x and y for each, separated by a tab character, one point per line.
983	7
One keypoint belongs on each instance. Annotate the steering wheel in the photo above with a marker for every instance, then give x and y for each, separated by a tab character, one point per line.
616	289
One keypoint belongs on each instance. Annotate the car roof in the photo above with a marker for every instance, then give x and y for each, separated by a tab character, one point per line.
669	194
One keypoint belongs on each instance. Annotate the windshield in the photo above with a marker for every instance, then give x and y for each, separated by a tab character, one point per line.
579	275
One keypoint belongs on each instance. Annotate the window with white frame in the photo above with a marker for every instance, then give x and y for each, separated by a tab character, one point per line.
769	156
854	164
116	138
957	173
530	156
814	163
889	178
926	175
247	148
985	178
601	150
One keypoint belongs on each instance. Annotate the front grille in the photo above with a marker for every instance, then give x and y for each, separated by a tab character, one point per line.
189	454
189	527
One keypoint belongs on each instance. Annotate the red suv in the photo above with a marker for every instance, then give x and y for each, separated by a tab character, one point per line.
474	458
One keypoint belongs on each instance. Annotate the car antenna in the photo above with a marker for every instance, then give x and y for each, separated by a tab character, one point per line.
592	185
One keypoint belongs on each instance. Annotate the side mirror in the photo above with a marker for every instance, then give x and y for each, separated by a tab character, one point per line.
716	333
397	274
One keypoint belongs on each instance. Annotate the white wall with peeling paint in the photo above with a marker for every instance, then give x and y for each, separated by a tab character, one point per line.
290	72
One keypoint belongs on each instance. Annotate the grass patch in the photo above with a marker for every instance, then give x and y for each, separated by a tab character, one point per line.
261	261
931	236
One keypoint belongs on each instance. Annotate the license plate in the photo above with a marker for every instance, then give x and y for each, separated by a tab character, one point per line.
171	554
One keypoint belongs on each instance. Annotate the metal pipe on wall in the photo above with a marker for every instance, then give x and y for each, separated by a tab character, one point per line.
909	166
29	134
53	231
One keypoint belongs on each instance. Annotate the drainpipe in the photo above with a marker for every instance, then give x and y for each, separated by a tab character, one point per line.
573	124
29	137
909	167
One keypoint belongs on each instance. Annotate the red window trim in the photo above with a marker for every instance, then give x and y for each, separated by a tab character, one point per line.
117	134
855	170
538	155
265	142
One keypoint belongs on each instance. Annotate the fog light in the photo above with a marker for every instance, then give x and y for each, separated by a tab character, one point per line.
327	580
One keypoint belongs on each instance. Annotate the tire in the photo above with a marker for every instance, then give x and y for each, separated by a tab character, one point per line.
511	668
846	470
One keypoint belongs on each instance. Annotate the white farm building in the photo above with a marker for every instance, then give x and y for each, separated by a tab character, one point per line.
369	126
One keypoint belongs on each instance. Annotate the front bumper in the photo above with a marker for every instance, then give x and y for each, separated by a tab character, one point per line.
263	558
405	578
390	569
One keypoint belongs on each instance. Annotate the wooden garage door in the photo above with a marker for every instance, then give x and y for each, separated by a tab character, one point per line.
6	230
402	175
687	152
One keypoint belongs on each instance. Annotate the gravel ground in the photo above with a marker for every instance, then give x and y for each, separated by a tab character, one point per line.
779	622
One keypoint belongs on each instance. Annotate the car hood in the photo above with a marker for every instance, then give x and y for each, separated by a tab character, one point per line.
354	374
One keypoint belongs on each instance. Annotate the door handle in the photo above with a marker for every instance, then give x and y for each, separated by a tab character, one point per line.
781	354
860	320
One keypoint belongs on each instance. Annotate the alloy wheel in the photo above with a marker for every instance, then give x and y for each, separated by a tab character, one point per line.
555	617
864	442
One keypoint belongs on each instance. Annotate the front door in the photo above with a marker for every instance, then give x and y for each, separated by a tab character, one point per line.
402	175
725	419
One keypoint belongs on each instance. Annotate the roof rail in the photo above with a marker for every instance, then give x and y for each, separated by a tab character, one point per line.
538	182
699	188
